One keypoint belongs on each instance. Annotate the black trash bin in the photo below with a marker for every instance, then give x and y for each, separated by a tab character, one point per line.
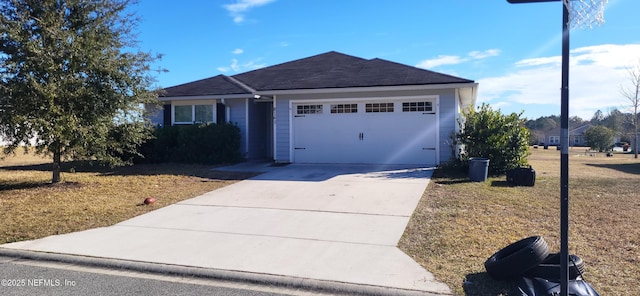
521	176
478	169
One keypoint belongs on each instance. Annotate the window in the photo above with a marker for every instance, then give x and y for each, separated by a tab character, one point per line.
183	114
188	114
309	109
344	108
554	140
378	107
203	113
417	107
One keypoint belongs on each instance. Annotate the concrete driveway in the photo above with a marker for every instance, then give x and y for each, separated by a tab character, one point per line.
331	224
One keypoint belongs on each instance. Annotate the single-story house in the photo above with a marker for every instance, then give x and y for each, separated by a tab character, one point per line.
330	108
576	136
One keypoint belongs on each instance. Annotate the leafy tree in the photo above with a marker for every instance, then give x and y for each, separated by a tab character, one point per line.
599	137
576	121
614	120
597	118
538	127
536	137
501	138
543	123
620	123
72	80
632	93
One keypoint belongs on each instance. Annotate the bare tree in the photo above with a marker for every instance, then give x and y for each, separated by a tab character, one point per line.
632	93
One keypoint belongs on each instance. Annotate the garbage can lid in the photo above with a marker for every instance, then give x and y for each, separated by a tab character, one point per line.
478	159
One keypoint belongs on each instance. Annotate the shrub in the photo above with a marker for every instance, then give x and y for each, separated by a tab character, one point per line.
123	144
120	144
488	133
599	137
205	144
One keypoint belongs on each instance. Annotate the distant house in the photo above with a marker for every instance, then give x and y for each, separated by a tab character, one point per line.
330	108
576	136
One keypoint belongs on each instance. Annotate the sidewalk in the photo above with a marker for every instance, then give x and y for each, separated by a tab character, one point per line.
329	227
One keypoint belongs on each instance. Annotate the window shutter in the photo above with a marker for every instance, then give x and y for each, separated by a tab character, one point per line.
221	113
167	114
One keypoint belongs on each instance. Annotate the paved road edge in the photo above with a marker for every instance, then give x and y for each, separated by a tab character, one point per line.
216	274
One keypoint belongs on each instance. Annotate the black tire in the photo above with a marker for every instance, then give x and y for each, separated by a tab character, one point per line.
550	268
517	258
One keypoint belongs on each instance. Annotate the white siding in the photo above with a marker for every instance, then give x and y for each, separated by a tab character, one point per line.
282	130
238	116
448	123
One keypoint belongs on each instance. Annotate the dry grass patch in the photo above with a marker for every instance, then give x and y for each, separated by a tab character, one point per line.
459	224
31	207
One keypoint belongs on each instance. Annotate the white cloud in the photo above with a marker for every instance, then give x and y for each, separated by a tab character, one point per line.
608	55
238	9
236	66
596	74
237	51
252	65
477	55
557	60
442	60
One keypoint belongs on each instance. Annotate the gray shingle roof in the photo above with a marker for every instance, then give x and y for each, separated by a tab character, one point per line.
217	85
299	74
327	70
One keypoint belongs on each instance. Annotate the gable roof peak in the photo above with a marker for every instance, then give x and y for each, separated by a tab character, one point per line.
331	69
216	85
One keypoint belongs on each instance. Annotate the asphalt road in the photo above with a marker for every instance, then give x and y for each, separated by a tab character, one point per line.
25	277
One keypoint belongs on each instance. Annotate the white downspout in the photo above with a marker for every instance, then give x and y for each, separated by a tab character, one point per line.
247	127
275	130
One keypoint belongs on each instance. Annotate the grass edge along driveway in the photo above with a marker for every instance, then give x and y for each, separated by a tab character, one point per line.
91	196
459	224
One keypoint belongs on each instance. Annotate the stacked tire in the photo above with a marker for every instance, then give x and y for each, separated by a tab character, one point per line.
550	268
534	270
517	258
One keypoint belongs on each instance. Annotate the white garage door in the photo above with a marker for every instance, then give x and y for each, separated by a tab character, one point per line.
380	132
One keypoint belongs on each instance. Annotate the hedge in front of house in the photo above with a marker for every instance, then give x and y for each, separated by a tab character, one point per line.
203	144
488	133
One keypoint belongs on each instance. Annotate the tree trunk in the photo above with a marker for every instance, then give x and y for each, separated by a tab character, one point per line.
635	139
56	166
635	128
636	102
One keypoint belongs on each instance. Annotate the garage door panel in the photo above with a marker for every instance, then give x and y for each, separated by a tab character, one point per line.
385	137
402	138
320	139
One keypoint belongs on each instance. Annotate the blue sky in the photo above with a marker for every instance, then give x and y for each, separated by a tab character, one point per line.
512	51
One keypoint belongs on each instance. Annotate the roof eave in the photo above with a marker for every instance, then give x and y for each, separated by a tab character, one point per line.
205	97
369	88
